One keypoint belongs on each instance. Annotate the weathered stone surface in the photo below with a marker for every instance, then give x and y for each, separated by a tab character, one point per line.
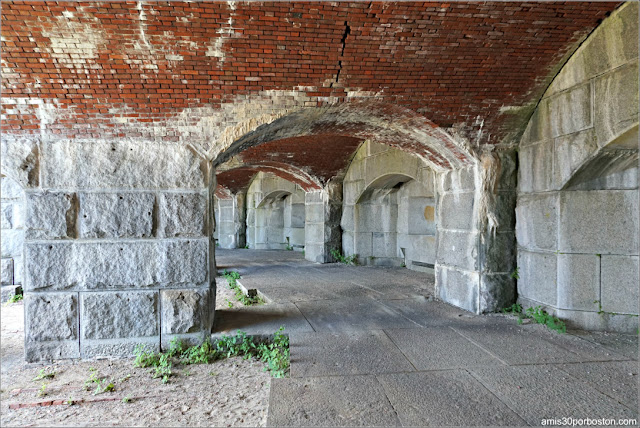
437	391
121	164
537	272
458	288
10	189
578	281
498	252
457	180
570	111
616	102
109	265
620	284
20	160
582	225
12	241
330	401
6	212
323	354
116	215
50	215
571	151
455	211
185	311
548	392
51	317
459	249
537	221
119	315
183	214
49	266
48	351
6	274
183	261
496	291
536	167
120	348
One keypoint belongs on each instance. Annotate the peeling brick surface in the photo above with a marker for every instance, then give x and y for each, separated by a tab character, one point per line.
122	68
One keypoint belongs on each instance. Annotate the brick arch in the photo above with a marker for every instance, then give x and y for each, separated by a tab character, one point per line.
375	121
236	179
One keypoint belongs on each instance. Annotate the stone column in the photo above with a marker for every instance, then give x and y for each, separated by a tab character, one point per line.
323	211
231	227
117	249
475	234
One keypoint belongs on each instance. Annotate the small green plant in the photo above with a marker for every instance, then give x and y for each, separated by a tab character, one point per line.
274	352
246	247
124	379
70	401
203	354
104	386
176	347
540	316
43	390
47	373
347	260
289	247
232	279
163	369
144	357
516	308
15	298
126	399
515	274
92	380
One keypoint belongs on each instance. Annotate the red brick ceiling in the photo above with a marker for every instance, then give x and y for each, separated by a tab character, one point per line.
457	63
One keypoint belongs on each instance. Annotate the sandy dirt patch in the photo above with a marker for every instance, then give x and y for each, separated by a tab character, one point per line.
232	392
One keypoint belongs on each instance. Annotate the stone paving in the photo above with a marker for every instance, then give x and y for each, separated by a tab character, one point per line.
372	347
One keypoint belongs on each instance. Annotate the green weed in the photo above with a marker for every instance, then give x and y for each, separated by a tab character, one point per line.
515	274
47	373
347	260
275	353
15	298
538	315
232	279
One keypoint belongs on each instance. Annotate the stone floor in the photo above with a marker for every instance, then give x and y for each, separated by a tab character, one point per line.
372	347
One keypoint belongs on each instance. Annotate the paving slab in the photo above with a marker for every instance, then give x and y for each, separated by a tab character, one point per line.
623	344
260	320
352	314
283	292
330	401
617	379
358	352
541	392
515	345
587	351
446	398
439	348
428	312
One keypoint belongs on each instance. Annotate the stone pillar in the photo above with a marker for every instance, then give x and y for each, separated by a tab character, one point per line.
117	249
323	211
12	213
231	225
475	234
